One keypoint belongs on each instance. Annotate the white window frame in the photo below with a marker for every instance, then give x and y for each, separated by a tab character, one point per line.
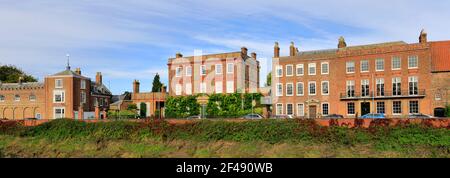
328	88
178	71
302	90
302	67
230	86
83	97
417	62
315	88
328	109
276	107
395	81
310	65
60	92
219	66
392	63
303	109
278	90
413	79
409	106
350	85
230	68
178	89
354	109
368	66
63	112
279	71
393	110
365	82
347	67
376	64
377	107
83	84
189	71
188	89
287	111
60	82
202	68
287	86
292	70
219	86
328	68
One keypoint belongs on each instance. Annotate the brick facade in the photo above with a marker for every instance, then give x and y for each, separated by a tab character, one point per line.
421	97
49	100
238	73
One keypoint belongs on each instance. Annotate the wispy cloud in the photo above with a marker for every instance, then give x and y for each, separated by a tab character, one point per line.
132	39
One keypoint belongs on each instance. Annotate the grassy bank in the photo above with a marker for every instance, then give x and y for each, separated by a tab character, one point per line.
295	138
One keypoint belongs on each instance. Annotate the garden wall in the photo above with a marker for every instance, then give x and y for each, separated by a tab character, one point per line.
350	123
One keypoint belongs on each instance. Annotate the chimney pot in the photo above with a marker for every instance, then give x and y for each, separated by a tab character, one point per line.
276	50
292	49
136	86
179	55
254	55
99	78
78	71
342	43
423	37
244	52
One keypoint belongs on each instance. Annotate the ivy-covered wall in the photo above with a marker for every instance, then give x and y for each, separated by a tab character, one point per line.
219	105
183	106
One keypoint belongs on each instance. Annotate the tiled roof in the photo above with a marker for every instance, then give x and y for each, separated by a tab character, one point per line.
100	89
328	52
66	72
21	86
440	56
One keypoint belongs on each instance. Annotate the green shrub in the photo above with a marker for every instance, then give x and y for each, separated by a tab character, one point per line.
401	137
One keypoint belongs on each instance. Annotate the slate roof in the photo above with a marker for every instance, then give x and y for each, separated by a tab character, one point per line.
28	85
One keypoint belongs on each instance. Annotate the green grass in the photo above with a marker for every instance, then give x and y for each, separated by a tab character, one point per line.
294	138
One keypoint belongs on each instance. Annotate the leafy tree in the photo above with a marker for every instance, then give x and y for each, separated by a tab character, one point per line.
11	74
269	79
157	85
447	110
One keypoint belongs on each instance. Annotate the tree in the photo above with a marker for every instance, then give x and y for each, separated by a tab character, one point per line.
157	85
11	74
269	80
132	107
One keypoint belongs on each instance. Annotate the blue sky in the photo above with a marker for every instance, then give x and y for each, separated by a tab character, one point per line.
128	40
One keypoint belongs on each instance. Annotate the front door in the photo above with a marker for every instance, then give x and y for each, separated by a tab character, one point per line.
365	108
312	112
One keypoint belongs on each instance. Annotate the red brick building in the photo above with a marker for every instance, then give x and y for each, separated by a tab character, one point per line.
67	94
393	78
213	73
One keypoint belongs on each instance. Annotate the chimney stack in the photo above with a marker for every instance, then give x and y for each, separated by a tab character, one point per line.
99	78
164	89
254	55
292	49
136	86
342	43
423	37
276	50
244	52
179	55
78	71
